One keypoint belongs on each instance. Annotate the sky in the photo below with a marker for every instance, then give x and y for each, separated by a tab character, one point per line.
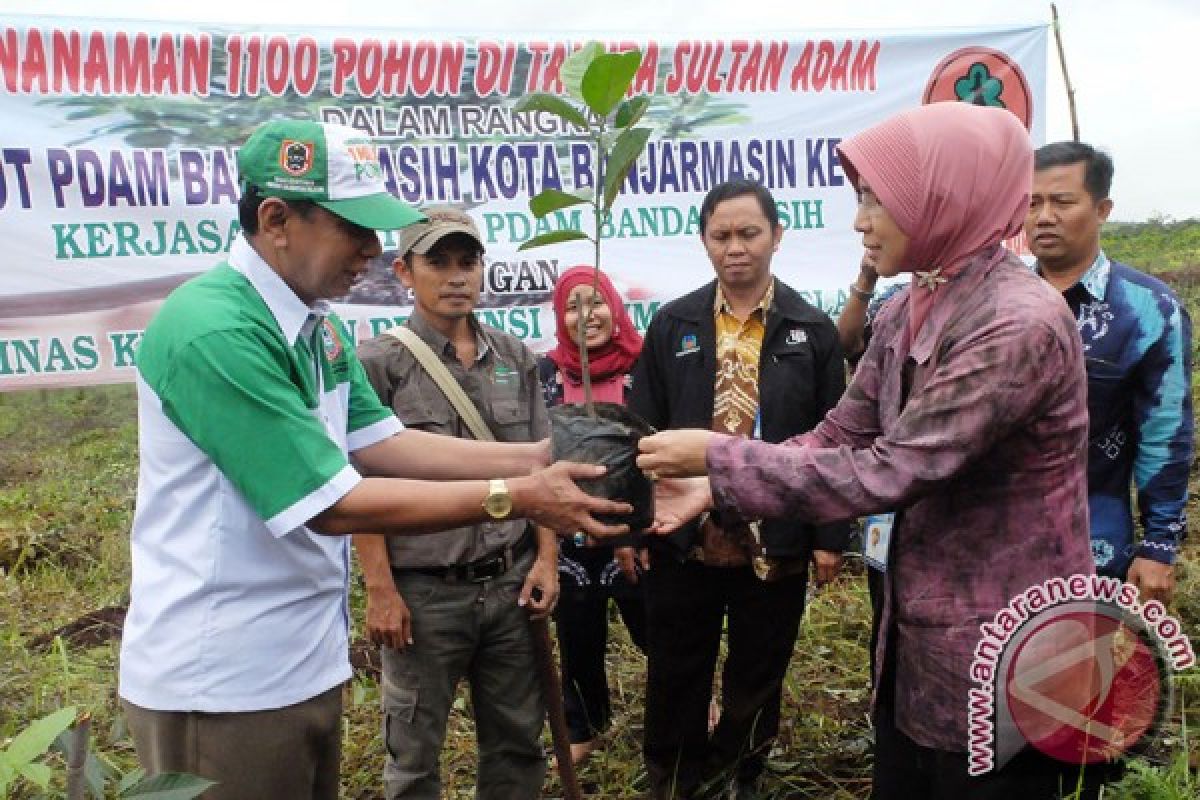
1132	62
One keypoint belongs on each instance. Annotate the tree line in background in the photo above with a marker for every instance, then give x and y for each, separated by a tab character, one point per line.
1159	244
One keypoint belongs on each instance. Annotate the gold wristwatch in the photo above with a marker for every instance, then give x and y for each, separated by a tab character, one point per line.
498	503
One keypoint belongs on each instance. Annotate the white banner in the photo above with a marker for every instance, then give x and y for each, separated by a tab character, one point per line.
118	181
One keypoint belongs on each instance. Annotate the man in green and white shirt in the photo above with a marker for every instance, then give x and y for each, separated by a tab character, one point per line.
250	400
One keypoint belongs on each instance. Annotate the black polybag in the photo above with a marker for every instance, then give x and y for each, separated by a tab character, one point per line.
611	439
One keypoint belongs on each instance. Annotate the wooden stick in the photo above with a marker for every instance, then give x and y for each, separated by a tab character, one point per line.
553	696
1062	60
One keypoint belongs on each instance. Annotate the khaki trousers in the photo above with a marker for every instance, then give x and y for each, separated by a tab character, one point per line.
476	632
290	752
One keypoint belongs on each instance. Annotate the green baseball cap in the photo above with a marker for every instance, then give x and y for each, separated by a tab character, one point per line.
335	166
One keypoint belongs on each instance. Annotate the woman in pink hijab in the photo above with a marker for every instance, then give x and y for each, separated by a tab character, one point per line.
966	420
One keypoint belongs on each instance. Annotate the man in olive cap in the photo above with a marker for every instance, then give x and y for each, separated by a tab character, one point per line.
456	605
251	402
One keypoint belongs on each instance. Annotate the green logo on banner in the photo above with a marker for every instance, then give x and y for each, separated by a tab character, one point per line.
979	87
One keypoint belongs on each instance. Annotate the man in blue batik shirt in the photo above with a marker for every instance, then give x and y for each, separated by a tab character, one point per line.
1137	345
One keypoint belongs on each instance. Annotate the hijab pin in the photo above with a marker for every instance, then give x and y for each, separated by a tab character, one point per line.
931	279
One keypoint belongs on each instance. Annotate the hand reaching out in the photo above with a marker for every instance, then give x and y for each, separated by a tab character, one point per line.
675	454
678	501
551	498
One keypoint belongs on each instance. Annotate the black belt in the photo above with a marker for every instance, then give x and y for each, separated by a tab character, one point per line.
483	569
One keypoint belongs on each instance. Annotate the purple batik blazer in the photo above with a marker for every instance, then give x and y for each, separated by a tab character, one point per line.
986	463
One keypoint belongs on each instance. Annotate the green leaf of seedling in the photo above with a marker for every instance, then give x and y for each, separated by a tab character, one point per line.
631	110
169	786
7	775
549	200
573	68
540	101
35	740
37	774
608	78
97	774
628	147
554	237
129	779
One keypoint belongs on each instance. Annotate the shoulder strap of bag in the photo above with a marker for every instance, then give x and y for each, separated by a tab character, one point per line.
445	381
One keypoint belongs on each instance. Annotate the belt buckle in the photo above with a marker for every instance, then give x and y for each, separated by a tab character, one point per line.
487	570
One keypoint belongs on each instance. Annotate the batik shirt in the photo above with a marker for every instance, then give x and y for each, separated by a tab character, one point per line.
739	349
735	411
977	437
1137	349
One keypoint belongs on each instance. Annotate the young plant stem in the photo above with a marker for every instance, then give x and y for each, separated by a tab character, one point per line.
590	302
581	336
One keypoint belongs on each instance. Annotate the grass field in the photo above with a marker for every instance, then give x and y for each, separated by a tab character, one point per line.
67	480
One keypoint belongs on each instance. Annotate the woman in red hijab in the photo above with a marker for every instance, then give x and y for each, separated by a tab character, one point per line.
967	419
591	572
612	342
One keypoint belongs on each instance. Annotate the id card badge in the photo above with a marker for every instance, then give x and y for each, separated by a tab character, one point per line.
877	538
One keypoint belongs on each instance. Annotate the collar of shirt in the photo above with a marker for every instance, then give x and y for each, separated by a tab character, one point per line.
295	318
721	305
440	344
1095	280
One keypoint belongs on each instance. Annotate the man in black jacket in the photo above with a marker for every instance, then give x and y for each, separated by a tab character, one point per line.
743	355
